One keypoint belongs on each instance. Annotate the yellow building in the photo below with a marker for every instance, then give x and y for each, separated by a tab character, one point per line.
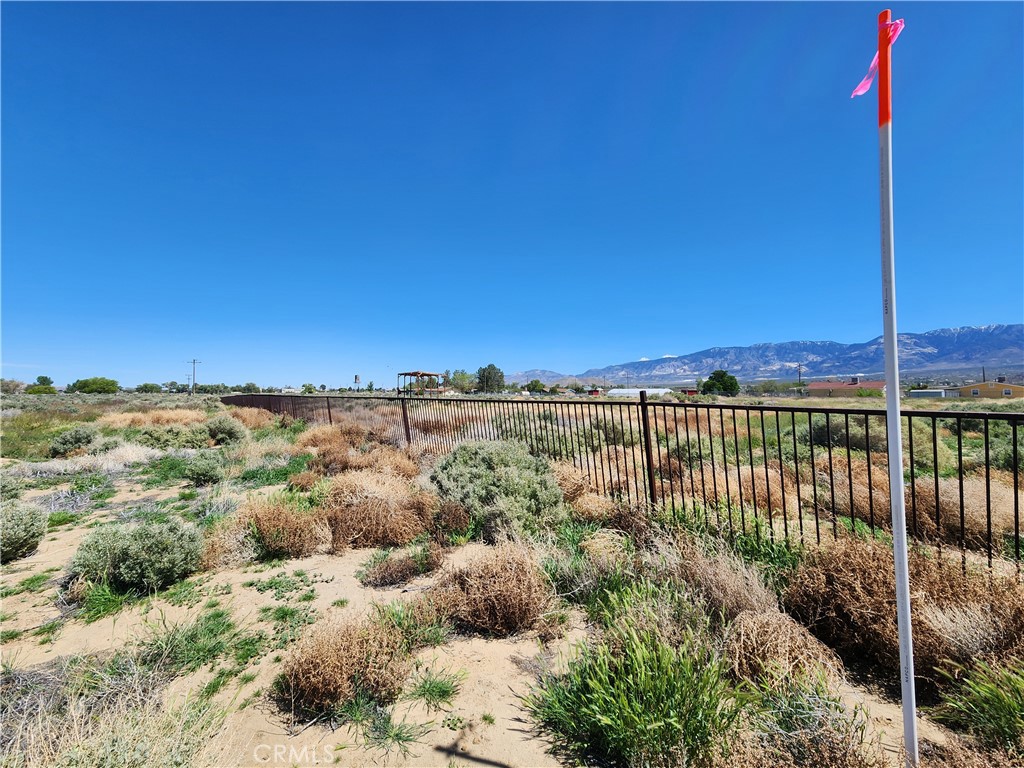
991	389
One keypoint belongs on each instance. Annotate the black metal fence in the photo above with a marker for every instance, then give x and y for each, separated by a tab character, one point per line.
785	472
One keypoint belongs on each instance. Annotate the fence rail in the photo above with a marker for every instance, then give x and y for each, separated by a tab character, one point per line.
786	472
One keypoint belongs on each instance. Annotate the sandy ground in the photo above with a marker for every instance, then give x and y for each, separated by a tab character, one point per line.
496	673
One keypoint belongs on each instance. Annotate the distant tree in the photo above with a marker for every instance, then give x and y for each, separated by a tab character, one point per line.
308	389
44	381
535	386
11	386
40	389
249	388
323	387
370	387
211	389
490	378
579	389
149	388
97	385
461	381
721	383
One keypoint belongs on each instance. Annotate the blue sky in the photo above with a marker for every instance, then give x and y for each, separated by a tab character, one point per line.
304	192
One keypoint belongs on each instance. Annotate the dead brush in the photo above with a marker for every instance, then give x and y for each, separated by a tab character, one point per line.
343	433
453	423
303	481
843	592
452	519
254	418
373	509
282	531
573	481
400	567
385	458
959	752
500	593
623	472
760	488
228	544
771	643
160	417
592	507
976	508
726	585
336	660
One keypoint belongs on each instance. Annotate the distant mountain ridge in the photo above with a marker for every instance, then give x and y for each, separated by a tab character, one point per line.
945	349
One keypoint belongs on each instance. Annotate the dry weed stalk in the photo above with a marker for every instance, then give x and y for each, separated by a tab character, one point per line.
254	418
760	643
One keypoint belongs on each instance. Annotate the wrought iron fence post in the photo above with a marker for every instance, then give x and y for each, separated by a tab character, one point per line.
648	448
330	420
405	422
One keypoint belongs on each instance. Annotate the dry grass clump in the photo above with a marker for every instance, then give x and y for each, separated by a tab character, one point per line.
572	480
501	593
117	459
372	509
975	527
338	659
727	585
254	418
281	530
228	544
384	458
345	433
759	488
593	508
452	519
400	567
845	594
303	481
961	753
771	643
159	417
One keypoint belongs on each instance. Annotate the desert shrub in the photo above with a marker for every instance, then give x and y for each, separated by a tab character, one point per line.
303	481
11	487
224	430
254	418
844	594
502	487
280	530
573	481
204	469
22	527
71	440
798	721
371	509
764	645
725	584
452	523
230	542
592	507
961	753
648	703
421	623
835	431
664	610
988	700
337	660
500	593
392	567
139	558
342	433
155	417
168	436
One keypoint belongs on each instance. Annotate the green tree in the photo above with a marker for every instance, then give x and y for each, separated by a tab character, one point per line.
97	385
370	387
535	386
323	387
40	389
44	381
11	386
490	378
149	388
461	381
249	388
308	389
721	383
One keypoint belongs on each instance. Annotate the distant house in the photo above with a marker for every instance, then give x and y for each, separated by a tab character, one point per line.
930	393
843	388
991	389
595	391
635	392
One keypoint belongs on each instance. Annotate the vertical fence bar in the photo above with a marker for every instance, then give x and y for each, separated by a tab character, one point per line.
739	471
1016	495
988	496
330	419
648	450
782	478
405	422
831	475
725	470
871	495
849	476
814	477
796	474
753	484
913	470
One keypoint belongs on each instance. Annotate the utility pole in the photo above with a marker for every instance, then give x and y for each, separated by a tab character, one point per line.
799	372
194	364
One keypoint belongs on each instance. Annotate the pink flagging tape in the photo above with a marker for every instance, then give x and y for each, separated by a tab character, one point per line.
895	27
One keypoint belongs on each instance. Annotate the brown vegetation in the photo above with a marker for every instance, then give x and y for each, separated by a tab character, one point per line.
770	642
337	658
500	593
372	509
283	531
303	481
254	418
158	417
592	508
573	481
399	567
844	593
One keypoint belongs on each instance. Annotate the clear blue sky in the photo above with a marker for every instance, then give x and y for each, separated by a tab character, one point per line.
303	192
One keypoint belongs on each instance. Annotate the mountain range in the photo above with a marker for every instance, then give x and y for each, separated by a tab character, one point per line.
1000	348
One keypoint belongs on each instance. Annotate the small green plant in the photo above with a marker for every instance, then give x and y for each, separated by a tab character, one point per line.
204	469
987	700
488	718
435	689
21	529
340	602
260	476
636	700
72	440
8	635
